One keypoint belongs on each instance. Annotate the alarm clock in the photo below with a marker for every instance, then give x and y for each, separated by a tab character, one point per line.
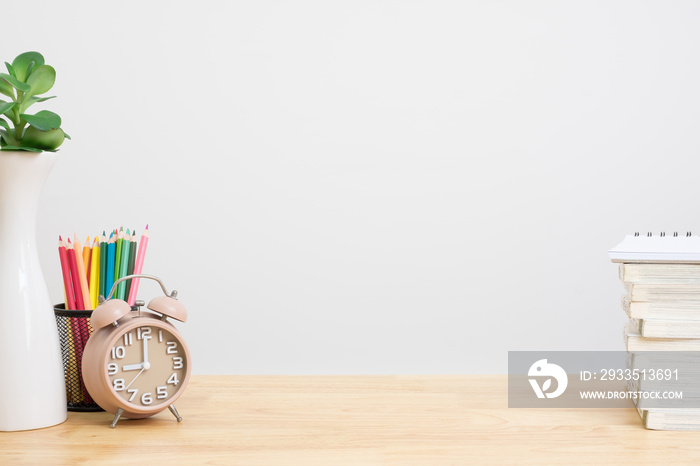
135	363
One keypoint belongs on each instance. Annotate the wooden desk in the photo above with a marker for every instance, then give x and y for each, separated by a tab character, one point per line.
352	420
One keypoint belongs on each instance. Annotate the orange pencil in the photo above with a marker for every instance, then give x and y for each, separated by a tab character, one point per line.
82	276
87	303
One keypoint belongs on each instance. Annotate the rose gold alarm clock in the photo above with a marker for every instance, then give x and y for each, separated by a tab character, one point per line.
136	363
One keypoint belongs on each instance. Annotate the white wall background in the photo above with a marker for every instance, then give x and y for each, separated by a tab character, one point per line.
373	186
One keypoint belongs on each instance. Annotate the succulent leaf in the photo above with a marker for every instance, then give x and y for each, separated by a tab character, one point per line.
13	147
10	69
35	99
41	80
5	138
16	83
31	101
5	106
6	89
43	140
22	64
43	120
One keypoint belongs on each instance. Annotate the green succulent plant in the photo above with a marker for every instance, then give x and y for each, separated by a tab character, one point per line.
27	78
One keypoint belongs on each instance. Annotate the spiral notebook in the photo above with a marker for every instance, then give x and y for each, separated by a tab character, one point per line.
658	247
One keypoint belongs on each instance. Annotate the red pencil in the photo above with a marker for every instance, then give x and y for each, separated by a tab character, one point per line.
77	333
74	273
65	269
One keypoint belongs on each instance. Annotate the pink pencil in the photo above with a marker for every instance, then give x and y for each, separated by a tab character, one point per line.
138	266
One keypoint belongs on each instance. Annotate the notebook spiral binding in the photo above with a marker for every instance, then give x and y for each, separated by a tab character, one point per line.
663	234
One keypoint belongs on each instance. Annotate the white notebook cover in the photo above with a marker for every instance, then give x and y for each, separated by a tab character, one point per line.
657	248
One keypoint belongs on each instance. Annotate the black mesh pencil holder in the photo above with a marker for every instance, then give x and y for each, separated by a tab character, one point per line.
74	329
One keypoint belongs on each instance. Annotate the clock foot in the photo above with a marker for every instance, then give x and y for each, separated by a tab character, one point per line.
116	418
174	411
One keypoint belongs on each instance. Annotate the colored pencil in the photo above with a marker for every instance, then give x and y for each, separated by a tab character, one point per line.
76	343
99	264
70	250
109	280
81	333
94	272
65	269
132	261
118	254
86	257
103	263
124	265
138	266
82	275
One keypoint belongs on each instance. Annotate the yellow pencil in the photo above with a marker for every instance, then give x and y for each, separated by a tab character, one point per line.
95	272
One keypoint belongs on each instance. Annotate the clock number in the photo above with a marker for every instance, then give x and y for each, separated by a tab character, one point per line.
160	336
143	332
118	352
133	392
172	347
128	338
177	362
162	393
112	368
173	379
147	398
119	385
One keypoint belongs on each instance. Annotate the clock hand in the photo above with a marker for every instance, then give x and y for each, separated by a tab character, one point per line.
137	376
145	351
145	364
133	367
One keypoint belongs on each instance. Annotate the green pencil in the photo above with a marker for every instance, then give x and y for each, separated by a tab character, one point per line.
103	263
118	255
124	265
132	261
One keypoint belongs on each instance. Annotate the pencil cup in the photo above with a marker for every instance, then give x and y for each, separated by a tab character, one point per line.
74	329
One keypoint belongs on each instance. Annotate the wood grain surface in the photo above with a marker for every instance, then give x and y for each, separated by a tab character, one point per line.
352	420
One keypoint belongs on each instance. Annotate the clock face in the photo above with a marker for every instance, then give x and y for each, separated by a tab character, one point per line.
146	366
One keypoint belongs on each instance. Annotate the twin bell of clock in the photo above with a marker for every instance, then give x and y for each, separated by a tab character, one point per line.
136	363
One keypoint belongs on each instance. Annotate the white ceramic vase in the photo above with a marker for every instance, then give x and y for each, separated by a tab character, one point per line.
32	382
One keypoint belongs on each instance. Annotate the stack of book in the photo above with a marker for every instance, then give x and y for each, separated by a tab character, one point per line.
661	277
